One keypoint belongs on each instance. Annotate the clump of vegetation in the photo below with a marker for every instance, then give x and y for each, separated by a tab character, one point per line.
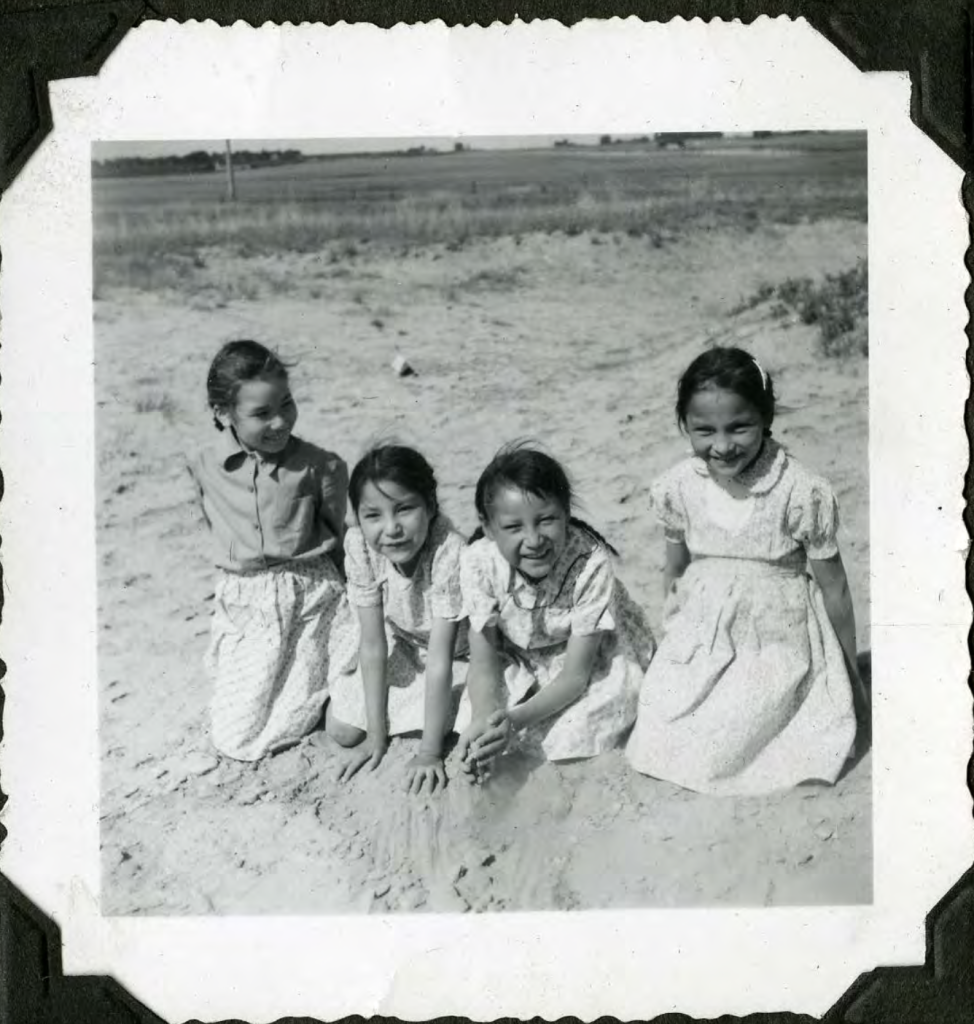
838	305
762	295
160	402
494	280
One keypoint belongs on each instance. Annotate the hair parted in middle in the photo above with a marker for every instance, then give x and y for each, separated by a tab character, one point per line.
522	466
731	369
397	464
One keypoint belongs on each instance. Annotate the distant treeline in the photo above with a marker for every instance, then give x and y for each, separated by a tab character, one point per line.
197	162
660	139
200	161
665	139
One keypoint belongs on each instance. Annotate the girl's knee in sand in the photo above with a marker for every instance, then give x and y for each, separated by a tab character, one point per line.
342	733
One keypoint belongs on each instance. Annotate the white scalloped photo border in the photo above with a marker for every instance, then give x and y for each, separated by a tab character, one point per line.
169	81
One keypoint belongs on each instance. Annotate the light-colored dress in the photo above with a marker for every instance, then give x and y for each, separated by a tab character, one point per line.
409	606
748	692
534	620
276	638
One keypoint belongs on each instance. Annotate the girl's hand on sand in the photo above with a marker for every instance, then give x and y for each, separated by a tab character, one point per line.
467	738
369	753
472	771
493	740
424	773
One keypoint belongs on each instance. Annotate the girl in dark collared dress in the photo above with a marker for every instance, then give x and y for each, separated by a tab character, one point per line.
275	505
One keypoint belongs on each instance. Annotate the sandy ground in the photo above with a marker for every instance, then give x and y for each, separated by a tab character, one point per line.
577	342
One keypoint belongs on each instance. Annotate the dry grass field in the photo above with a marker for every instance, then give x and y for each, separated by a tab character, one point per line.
553	294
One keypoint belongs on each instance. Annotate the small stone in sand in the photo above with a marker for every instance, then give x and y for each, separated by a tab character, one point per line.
380	890
402	368
824	832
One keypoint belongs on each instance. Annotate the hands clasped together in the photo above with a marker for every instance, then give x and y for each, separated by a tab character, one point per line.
426	772
483	741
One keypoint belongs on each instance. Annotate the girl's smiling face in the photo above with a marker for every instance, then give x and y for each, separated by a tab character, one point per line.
530	531
395	522
263	415
725	430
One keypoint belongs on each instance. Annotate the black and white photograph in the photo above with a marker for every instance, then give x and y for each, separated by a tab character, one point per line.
501	502
627	361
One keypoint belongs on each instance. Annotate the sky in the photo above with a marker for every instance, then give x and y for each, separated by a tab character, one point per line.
174	147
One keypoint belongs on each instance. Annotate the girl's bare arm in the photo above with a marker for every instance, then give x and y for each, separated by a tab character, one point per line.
566	687
439	680
373	654
831	576
484	686
372	661
677	560
484	680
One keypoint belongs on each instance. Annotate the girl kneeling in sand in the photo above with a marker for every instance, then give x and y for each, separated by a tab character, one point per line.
754	686
275	505
557	646
403	565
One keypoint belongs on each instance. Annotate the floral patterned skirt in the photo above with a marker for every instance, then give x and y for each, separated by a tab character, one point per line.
276	638
601	718
748	692
406	682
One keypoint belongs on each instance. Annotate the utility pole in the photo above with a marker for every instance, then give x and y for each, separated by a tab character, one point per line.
231	184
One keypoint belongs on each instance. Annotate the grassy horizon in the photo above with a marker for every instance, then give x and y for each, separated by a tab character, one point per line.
453	201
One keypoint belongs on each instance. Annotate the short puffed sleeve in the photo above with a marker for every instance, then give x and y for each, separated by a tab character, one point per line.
364	590
667	502
813	516
480	600
594	587
446	597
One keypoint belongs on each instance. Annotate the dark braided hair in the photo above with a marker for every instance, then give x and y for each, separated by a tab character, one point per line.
524	468
731	369
396	464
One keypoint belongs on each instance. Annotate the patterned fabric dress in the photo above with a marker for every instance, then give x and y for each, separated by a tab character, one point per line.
275	638
281	624
409	605
580	596
748	692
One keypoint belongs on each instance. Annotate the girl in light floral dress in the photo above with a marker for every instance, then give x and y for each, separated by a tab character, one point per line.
402	561
557	647
754	687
